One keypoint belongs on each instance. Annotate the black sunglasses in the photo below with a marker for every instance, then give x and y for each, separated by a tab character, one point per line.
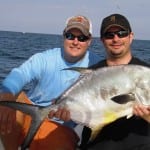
120	34
70	36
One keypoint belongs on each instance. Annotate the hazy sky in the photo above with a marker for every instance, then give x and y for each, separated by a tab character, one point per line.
49	16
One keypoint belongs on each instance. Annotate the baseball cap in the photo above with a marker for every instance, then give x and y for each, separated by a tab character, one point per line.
114	20
79	22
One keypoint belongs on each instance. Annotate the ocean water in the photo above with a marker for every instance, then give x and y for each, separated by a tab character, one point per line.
16	47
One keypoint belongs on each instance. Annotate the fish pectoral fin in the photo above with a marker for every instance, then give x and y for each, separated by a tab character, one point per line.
123	98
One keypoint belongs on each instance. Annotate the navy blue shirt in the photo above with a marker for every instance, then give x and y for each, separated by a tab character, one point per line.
123	134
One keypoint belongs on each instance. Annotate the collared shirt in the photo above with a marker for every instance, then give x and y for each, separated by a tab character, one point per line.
45	72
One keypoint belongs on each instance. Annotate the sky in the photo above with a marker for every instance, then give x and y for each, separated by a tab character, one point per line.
49	16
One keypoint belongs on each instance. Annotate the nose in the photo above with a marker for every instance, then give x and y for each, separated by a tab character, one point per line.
75	41
115	38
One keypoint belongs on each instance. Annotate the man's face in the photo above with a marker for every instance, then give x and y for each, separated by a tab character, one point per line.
117	42
75	45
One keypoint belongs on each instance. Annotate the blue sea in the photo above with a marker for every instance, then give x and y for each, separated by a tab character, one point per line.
16	47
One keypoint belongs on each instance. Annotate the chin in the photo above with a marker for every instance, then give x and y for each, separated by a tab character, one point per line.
116	55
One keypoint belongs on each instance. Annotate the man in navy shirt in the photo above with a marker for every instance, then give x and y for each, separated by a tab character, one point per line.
123	134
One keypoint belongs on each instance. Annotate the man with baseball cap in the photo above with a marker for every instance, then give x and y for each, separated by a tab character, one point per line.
115	20
81	23
46	69
124	134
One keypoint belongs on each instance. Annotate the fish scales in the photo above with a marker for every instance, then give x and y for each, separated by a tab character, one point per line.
98	97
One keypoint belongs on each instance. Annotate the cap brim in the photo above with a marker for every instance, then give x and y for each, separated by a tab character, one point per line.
114	25
78	26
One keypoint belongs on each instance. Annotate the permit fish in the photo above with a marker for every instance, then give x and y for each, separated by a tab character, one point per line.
96	99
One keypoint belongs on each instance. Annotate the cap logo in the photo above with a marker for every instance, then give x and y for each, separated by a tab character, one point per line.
112	19
78	19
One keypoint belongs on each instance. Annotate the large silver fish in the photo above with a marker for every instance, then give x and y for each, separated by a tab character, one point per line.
98	98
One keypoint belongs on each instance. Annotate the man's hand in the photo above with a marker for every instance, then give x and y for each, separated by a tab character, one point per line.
142	111
61	113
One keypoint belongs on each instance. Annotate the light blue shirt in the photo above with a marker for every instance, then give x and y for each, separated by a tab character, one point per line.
45	71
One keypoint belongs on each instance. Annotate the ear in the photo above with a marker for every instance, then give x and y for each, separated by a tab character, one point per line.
131	37
102	40
89	41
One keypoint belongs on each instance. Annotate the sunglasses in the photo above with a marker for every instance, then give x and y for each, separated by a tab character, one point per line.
81	38
120	34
